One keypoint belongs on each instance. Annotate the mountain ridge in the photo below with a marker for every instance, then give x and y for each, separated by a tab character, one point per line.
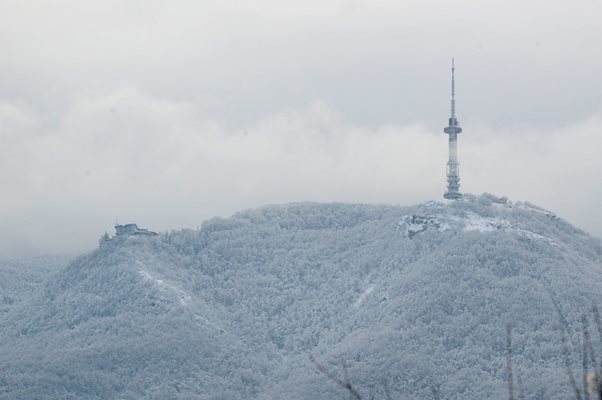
419	296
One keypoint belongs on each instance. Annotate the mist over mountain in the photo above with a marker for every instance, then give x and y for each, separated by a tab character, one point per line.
417	296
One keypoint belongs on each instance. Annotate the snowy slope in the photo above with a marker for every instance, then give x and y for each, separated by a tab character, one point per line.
122	322
20	278
419	296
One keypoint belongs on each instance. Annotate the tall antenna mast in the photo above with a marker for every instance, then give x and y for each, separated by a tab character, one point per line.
453	99
453	128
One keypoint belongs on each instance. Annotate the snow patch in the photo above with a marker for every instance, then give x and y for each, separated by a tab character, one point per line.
438	221
475	222
204	321
414	224
363	296
163	286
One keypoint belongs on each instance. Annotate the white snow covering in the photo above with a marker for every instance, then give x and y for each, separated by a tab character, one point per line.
439	217
170	288
418	296
474	222
363	296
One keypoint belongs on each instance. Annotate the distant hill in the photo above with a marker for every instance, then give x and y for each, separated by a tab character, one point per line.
417	296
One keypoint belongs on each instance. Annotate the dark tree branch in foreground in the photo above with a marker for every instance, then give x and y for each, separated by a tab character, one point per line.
387	392
585	355
590	348
509	362
565	351
591	385
342	383
519	384
598	371
599	326
346	384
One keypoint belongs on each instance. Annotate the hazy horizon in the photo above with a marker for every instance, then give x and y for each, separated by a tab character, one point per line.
169	114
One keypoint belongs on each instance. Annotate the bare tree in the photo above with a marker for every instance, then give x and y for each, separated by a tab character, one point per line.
509	362
565	351
344	383
591	380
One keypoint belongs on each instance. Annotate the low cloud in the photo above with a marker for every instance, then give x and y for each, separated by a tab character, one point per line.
165	165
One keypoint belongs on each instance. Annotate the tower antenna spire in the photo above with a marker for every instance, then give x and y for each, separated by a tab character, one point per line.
452	129
453	90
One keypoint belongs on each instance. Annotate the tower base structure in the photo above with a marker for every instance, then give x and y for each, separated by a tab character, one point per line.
453	182
452	195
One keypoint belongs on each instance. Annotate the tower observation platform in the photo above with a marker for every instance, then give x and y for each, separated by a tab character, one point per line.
453	166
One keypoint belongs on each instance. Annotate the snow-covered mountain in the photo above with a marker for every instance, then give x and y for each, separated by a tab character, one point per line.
417	296
20	278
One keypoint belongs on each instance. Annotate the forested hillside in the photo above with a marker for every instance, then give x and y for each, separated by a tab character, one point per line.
418	297
20	278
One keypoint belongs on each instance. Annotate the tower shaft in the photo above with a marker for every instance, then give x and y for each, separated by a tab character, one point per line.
453	166
453	170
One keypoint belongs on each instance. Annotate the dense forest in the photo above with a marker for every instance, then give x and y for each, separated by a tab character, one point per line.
417	297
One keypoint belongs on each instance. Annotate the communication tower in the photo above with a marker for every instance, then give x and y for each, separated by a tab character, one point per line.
453	166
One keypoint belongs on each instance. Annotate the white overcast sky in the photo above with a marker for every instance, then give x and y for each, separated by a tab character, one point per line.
167	113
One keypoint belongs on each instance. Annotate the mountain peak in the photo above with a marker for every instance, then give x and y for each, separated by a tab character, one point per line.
485	213
232	310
